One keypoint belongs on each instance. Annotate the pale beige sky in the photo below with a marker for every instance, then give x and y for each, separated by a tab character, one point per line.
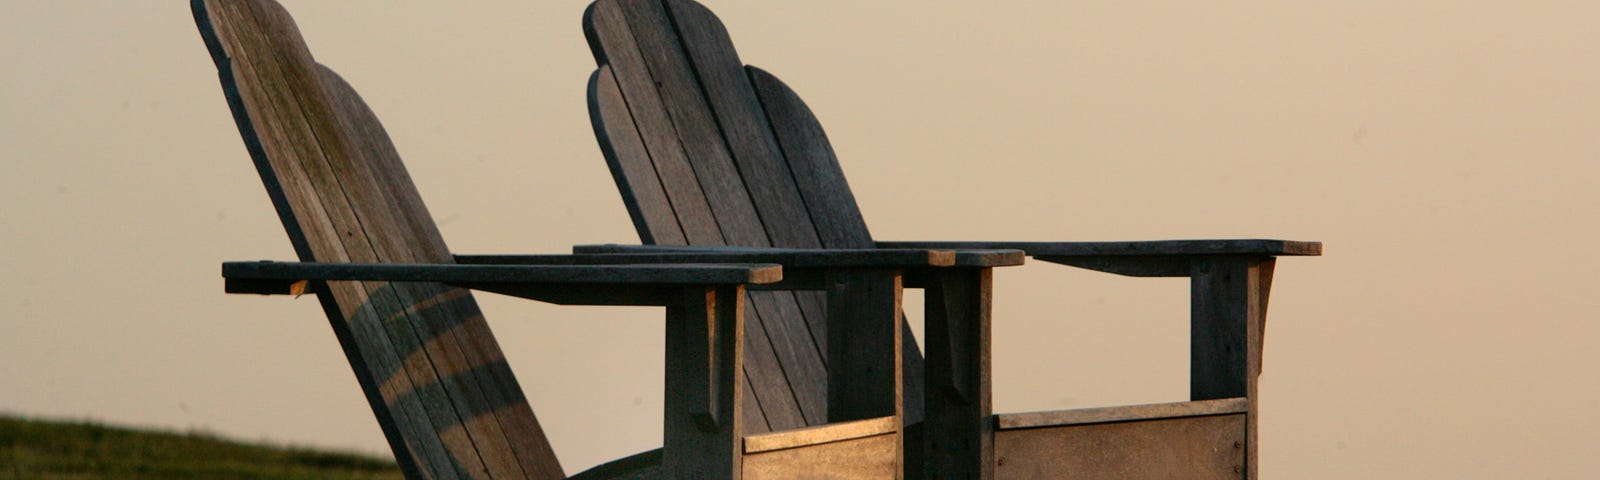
1445	151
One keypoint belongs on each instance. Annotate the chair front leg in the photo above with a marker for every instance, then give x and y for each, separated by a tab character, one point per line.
958	435
1228	312
704	390
864	335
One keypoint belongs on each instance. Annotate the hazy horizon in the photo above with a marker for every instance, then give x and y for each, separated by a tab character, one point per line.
1445	152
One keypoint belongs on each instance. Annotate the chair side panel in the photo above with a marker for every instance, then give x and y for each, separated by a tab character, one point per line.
1200	448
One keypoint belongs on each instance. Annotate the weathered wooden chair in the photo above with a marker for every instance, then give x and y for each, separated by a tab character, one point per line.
709	152
431	369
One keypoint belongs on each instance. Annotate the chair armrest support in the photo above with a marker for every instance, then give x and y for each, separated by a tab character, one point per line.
1163	258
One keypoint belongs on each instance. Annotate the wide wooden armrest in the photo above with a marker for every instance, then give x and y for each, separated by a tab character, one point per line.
1157	247
1162	258
812	258
268	277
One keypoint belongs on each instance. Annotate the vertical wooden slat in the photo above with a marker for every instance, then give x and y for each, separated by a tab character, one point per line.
702	427
742	125
831	206
958	428
636	177
1227	314
623	121
690	118
816	172
863	344
736	202
864	328
1260	290
609	36
691	161
1219	315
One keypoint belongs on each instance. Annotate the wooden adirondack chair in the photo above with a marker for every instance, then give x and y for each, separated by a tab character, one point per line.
707	152
430	367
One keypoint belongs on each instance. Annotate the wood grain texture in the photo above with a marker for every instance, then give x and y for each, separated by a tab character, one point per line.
741	124
875	457
865	328
863	343
1227	318
677	87
958	427
653	80
438	387
1082	416
812	163
833	432
1190	448
642	191
708	132
705	343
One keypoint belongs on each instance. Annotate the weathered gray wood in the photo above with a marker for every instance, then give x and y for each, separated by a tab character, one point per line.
705	342
833	432
801	257
708	142
663	79
958	428
415	231
780	407
741	123
1197	448
863	342
719	274
1084	416
642	193
797	351
754	420
875	457
1158	247
431	368
668	164
1227	316
865	328
610	37
673	67
815	169
696	132
444	407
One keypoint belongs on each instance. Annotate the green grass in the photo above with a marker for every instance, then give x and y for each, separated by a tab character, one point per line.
38	449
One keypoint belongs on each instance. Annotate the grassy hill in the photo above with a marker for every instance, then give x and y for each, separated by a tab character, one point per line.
37	449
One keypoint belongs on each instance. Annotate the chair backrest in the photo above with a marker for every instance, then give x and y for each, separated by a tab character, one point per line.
426	359
708	151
